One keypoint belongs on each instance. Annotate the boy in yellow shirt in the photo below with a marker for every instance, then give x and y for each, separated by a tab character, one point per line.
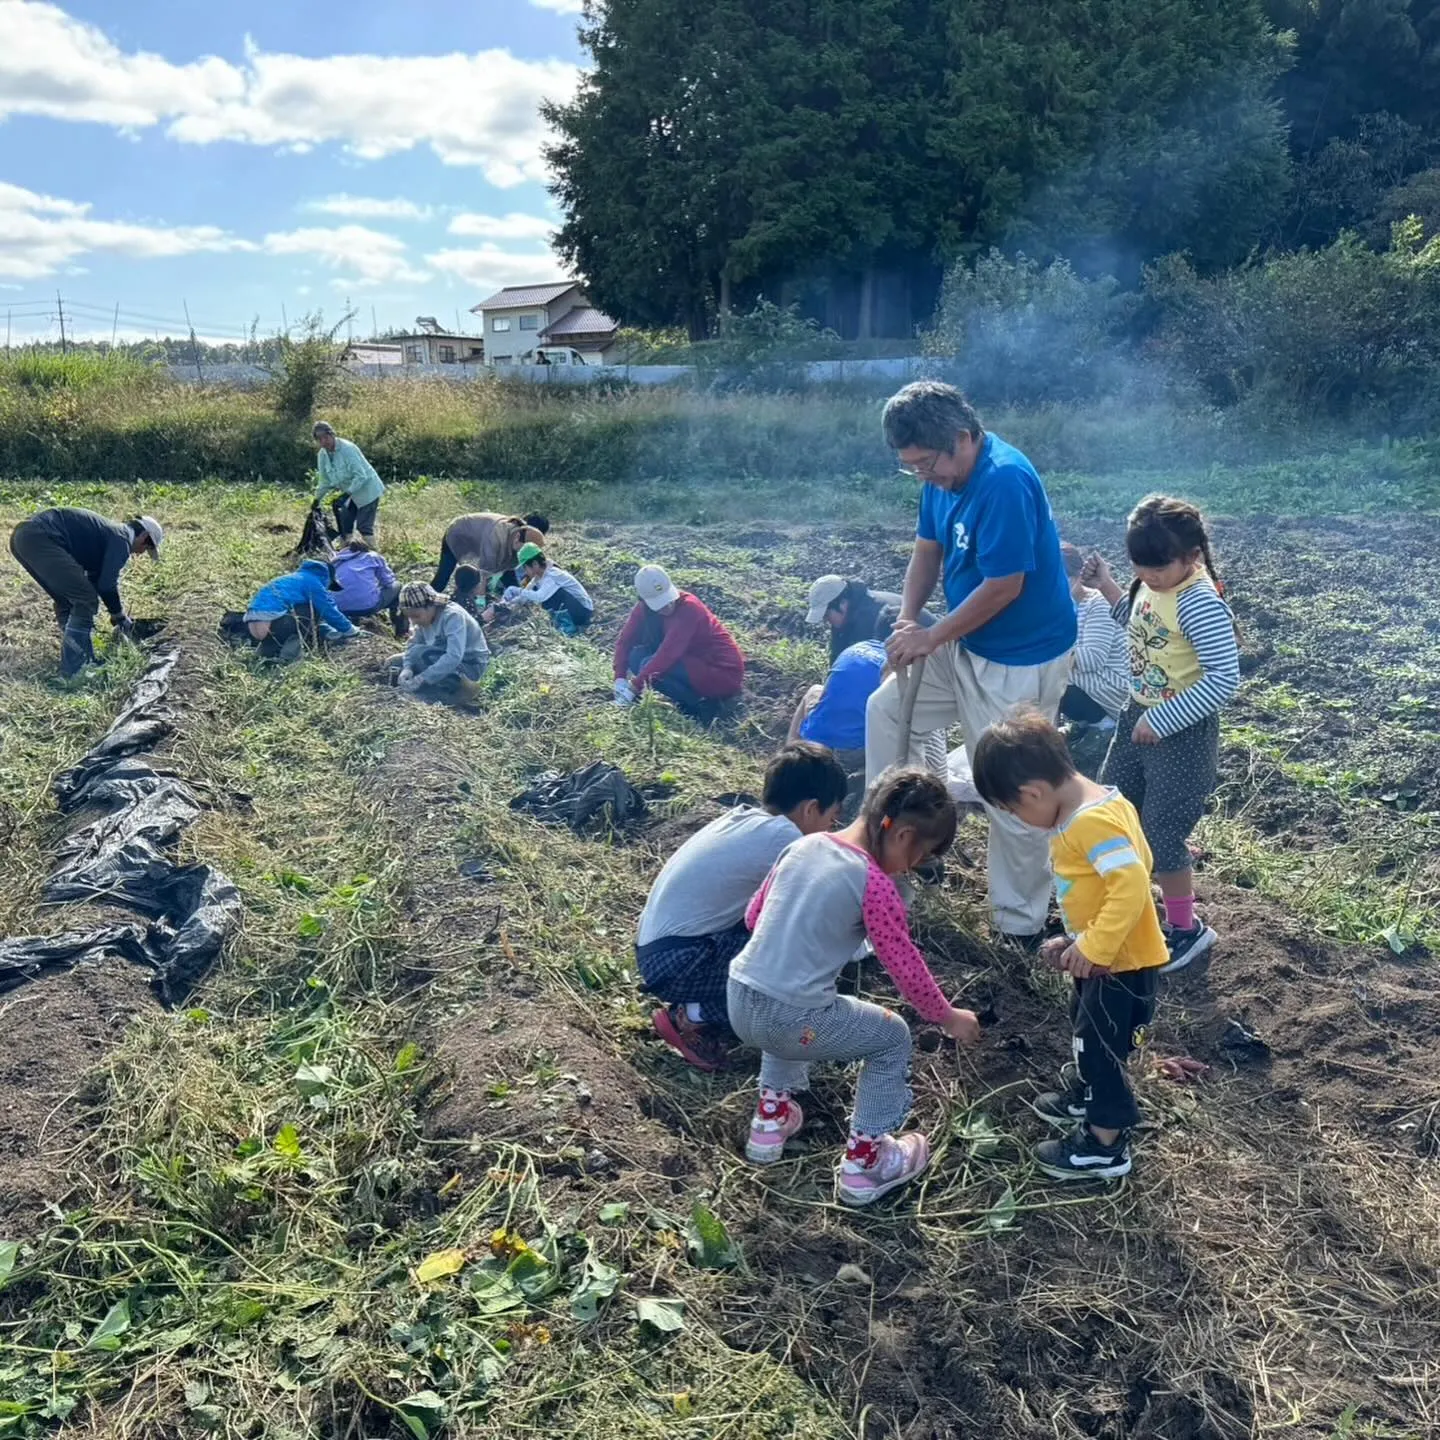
1113	945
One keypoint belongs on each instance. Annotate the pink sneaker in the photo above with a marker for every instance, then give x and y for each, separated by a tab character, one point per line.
774	1122
873	1168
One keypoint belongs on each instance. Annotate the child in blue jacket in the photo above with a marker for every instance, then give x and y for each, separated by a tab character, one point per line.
291	606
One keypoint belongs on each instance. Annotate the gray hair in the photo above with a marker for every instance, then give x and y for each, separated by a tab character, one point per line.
322	427
421	595
929	415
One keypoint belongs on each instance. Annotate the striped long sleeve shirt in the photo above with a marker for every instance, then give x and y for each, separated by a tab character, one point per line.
1102	656
1184	657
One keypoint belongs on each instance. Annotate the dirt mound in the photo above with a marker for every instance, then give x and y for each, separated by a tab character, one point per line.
57	1029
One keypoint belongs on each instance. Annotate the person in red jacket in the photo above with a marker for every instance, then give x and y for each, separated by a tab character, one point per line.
671	641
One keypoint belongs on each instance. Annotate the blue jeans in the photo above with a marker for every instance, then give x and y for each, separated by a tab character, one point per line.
674	684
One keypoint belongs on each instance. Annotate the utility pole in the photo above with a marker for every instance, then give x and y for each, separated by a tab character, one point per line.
7	331
115	327
349	325
194	343
374	325
284	318
60	305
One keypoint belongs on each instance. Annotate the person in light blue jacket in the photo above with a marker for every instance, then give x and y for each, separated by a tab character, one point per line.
290	607
342	466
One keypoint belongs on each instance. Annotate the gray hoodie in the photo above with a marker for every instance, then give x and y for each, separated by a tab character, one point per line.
460	640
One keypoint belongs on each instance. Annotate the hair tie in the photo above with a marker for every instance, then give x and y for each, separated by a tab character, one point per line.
886	823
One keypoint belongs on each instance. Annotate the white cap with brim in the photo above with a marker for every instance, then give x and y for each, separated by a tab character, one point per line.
823	594
152	528
655	587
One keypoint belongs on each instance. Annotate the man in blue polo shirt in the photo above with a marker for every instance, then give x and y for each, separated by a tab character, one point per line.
985	525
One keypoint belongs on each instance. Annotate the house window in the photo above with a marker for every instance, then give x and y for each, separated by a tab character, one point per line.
499	326
529	322
447	354
477	351
413	355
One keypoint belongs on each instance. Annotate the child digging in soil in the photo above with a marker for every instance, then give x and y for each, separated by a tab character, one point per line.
1184	668
693	924
552	588
825	894
1113	945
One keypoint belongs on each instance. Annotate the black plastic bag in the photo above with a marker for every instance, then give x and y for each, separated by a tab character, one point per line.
598	793
32	955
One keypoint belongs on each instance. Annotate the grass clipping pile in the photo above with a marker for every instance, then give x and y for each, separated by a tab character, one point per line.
412	1163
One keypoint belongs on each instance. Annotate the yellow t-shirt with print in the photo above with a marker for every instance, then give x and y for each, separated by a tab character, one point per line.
1162	661
1102	880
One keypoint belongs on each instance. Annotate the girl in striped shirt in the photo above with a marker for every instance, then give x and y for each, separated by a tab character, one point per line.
1184	668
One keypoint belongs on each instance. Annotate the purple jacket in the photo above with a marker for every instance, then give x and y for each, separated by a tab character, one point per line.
361	576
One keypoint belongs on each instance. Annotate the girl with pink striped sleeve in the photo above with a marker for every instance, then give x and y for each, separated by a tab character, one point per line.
824	895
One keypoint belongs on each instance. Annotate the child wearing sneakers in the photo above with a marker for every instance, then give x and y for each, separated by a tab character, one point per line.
693	924
1184	669
556	590
1113	945
825	895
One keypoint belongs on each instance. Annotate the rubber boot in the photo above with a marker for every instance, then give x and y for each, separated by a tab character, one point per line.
77	648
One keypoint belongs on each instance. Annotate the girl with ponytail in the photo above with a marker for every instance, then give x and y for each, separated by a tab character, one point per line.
1184	669
824	896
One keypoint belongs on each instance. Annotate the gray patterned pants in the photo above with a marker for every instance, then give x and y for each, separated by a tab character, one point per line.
791	1038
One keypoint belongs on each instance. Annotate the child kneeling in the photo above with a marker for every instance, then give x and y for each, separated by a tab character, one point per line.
1113	945
556	590
824	896
693	924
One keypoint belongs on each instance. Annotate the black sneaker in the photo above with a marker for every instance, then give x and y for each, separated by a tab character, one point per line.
1061	1107
1080	1156
1186	946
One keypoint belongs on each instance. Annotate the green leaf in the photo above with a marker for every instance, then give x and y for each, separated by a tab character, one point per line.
9	1253
708	1242
311	926
1001	1215
313	1079
287	1143
407	1058
197	1016
983	1138
663	1317
111	1328
599	1282
494	1291
534	1274
615	1212
423	1413
1395	939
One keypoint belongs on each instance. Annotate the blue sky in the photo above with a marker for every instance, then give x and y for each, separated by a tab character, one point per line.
270	159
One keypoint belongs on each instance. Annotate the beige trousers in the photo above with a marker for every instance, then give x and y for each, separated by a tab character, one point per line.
959	688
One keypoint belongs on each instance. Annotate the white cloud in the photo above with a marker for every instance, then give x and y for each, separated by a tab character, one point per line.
361	207
479	109
489	267
369	257
503	227
560	7
41	234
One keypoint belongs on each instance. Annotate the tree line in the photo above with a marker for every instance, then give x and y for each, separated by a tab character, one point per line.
843	154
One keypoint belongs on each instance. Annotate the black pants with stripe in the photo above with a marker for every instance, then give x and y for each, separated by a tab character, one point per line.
1109	1014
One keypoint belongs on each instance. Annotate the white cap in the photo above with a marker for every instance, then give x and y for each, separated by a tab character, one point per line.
151	527
654	587
823	594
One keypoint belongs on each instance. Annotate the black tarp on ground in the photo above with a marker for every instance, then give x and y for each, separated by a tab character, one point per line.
129	813
599	795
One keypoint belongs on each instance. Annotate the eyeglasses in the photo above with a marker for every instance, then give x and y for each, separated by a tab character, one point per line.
921	468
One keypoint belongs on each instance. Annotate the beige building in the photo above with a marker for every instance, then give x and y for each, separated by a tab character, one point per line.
522	321
430	345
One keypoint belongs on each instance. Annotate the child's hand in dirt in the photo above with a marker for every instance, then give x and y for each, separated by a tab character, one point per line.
1075	962
963	1025
1053	949
1144	732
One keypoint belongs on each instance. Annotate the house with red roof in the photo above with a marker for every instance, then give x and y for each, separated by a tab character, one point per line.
545	324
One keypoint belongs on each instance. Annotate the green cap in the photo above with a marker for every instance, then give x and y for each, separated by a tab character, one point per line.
528	553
